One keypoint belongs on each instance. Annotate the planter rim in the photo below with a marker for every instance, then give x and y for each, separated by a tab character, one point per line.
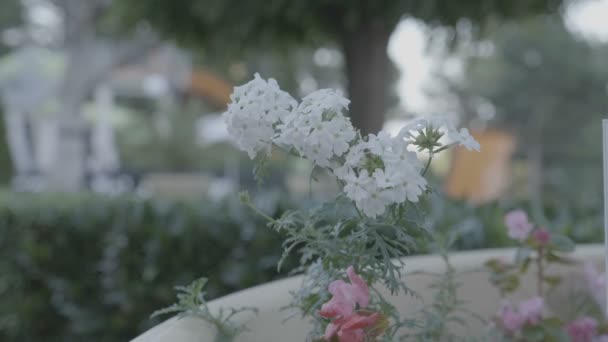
461	260
266	297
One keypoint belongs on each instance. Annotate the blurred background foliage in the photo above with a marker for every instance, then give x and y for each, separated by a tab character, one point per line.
91	268
78	265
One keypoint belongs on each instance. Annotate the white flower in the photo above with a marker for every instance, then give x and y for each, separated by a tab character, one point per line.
318	129
376	202
395	174
464	139
443	125
357	187
253	113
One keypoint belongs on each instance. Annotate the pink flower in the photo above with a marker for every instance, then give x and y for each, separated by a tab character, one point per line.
542	236
348	324
511	320
532	309
528	312
346	296
603	338
518	225
596	283
582	330
351	328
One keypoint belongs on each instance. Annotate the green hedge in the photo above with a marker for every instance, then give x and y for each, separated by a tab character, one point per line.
87	268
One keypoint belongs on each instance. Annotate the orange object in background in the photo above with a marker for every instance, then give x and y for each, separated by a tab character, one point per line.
481	176
213	88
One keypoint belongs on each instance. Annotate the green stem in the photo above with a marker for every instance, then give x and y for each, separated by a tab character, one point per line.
540	272
358	211
443	148
428	163
259	212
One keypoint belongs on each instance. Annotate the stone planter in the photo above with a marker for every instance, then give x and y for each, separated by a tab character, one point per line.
269	324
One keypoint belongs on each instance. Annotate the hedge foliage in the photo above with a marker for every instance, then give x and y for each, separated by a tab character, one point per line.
87	268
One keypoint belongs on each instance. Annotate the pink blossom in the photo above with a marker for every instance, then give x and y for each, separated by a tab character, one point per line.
596	283
346	296
347	324
518	225
602	338
528	312
542	236
511	320
532	309
351	328
582	330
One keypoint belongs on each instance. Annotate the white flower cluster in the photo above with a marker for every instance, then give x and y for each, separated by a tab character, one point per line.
441	124
255	109
379	172
318	129
261	114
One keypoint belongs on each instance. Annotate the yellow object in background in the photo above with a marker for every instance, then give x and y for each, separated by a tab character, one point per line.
481	176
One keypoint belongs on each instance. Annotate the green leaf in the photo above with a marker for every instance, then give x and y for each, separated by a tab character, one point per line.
505	282
561	243
524	265
552	322
496	265
556	334
533	333
523	254
552	257
552	280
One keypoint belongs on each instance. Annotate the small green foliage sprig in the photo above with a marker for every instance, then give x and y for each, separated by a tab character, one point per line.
191	302
434	321
506	276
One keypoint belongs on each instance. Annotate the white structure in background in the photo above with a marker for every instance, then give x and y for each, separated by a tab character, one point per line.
103	160
605	169
57	153
30	81
211	129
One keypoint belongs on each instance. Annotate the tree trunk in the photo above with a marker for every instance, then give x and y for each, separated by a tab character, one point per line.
367	63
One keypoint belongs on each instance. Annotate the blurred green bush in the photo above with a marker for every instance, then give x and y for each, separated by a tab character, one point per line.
89	268
471	226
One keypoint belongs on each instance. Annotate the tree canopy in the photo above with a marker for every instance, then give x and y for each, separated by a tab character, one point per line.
258	23
361	28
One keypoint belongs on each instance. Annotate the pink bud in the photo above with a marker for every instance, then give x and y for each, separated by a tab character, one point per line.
542	236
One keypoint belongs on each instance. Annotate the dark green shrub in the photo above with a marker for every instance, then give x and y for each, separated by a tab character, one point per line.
88	268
